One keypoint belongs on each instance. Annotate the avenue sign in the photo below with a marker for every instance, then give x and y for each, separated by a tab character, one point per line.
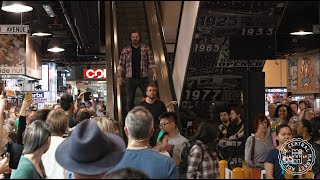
14	29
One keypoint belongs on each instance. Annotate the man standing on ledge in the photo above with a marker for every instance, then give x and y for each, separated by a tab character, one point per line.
135	61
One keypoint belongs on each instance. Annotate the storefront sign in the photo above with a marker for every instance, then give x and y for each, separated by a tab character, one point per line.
37	95
33	60
276	90
62	88
12	54
94	73
14	29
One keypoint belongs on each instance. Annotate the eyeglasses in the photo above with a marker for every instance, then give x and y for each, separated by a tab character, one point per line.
163	125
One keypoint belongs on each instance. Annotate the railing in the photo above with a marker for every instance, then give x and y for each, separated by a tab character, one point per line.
112	59
164	77
177	35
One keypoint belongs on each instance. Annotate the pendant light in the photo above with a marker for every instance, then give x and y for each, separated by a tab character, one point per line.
55	46
15	6
39	28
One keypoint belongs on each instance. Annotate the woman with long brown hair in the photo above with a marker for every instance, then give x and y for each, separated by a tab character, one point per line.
258	144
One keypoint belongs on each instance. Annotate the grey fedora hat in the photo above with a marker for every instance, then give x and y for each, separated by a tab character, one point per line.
90	151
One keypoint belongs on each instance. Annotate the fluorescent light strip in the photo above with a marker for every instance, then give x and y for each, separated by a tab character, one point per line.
301	33
56	49
41	34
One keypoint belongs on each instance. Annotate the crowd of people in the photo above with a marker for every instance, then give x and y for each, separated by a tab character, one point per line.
286	120
67	142
75	139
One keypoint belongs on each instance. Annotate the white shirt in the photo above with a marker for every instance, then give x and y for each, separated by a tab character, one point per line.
52	168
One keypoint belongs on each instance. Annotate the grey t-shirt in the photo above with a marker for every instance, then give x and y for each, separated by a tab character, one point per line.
261	150
177	142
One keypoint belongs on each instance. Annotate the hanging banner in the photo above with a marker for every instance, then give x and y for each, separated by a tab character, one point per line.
14	29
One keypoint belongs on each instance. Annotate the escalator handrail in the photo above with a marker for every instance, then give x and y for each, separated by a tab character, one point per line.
172	90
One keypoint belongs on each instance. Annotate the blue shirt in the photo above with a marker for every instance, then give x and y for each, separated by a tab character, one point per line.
272	158
152	163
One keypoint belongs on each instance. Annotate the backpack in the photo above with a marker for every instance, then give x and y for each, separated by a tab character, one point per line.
185	152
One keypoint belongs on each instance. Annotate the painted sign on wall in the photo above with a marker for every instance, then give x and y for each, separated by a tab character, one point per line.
230	38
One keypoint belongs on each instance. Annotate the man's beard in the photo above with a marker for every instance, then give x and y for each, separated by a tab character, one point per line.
135	42
224	120
234	121
151	97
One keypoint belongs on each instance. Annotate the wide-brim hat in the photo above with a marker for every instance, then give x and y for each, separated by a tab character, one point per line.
90	151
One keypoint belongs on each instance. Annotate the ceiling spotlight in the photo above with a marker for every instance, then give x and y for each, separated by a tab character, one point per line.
55	46
39	28
301	33
15	6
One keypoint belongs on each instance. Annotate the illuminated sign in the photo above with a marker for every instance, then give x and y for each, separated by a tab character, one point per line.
276	90
94	73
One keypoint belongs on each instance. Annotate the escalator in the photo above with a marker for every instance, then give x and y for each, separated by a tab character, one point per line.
141	16
131	17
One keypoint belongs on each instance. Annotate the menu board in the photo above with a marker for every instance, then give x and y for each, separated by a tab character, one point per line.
230	38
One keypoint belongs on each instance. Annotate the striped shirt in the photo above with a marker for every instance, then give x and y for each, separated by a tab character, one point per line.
147	60
208	169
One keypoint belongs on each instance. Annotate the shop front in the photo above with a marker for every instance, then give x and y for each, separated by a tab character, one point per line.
21	69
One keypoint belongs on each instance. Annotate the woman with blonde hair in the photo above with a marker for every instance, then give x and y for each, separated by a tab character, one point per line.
59	122
308	114
105	124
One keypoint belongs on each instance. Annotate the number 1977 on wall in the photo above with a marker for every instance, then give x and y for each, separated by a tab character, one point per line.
198	95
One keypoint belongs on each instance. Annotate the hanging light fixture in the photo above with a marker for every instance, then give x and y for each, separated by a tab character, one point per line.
302	30
39	28
55	46
15	6
301	33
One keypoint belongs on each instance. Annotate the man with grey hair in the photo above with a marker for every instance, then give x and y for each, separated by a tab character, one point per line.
139	128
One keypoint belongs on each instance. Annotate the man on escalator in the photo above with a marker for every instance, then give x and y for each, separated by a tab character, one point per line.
135	62
153	105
